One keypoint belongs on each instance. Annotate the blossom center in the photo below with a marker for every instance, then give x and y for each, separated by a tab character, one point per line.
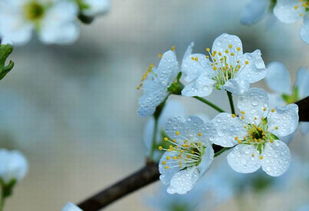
301	6
33	11
186	154
258	135
226	64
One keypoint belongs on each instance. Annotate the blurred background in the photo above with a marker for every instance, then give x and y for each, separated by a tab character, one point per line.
72	109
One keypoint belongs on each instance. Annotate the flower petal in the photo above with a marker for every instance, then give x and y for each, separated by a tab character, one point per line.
253	105
302	82
206	159
166	173
58	26
228	129
304	31
254	11
283	120
71	207
255	69
285	11
96	7
278	78
153	95
167	69
276	158
222	43
183	181
201	87
244	159
237	86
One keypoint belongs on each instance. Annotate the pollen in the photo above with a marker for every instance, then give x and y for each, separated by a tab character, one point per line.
160	55
261	157
160	148
166	167
164	162
238	48
246	62
207	49
173	48
165	139
273	110
242	112
200	134
233	115
177	133
230	46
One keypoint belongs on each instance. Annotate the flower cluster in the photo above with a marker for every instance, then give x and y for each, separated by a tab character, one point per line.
287	11
55	21
253	134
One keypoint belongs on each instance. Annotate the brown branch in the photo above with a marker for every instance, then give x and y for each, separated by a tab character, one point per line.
150	174
137	180
303	106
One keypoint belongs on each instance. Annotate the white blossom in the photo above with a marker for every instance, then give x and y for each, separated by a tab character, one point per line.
226	67
255	134
155	83
95	7
188	153
13	166
71	207
54	21
278	80
291	11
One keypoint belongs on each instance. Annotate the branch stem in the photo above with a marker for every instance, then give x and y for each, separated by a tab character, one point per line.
230	96
217	108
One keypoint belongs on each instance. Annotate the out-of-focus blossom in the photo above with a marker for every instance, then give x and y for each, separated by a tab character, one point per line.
226	67
291	11
278	80
254	11
13	166
71	207
188	153
156	82
54	21
255	134
94	7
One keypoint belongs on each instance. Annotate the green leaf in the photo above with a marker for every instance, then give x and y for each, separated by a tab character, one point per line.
7	188
5	51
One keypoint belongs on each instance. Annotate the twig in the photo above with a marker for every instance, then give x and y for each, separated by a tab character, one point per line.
150	174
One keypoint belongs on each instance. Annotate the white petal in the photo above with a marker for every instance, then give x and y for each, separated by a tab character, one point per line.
285	12
191	129
244	159
153	95
255	104
255	70
278	78
302	82
254	11
275	100
284	120
167	69
192	69
227	129
168	173
183	181
206	159
171	109
71	207
59	25
13	165
201	87
13	26
304	31
276	158
222	42
237	86
96	7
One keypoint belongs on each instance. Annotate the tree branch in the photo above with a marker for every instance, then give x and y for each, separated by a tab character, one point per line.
139	179
150	173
